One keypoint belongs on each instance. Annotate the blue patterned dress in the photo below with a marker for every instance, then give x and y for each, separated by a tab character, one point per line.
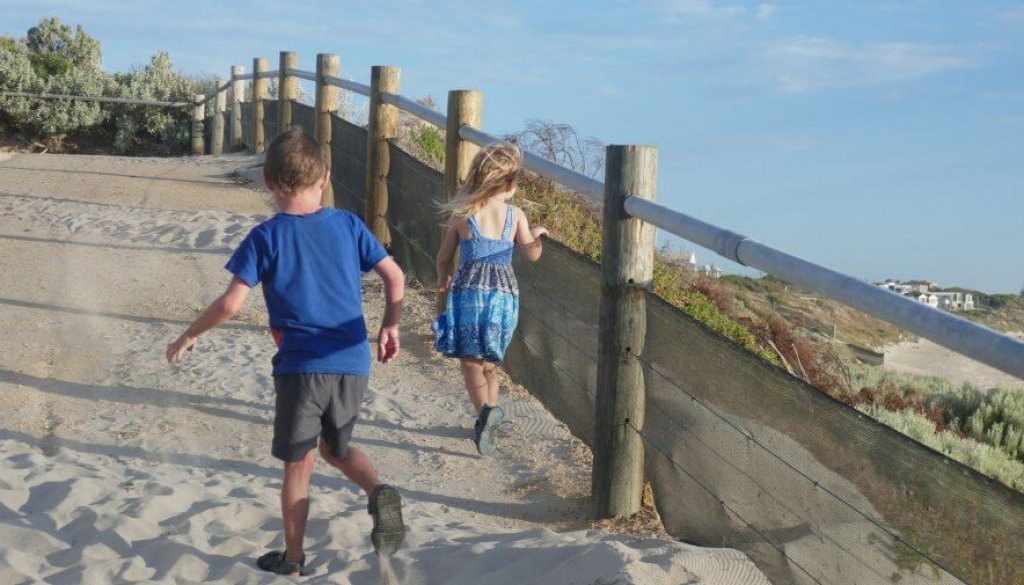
483	301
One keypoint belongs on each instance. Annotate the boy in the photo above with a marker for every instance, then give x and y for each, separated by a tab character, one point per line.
310	260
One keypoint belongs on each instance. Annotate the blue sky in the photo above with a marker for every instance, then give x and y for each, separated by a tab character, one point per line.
880	138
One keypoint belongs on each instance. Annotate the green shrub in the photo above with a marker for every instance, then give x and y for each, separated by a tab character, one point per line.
430	143
46	65
57	60
984	458
7	44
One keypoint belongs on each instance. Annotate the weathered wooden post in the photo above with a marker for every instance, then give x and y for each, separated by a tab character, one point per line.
464	109
259	93
237	96
219	104
381	130
198	120
627	267
287	90
326	102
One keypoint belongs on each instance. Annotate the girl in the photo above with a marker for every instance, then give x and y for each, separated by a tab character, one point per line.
482	296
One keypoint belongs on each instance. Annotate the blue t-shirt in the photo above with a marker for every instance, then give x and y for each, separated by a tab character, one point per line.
310	267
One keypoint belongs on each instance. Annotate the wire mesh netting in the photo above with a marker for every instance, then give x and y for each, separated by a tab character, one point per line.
740	453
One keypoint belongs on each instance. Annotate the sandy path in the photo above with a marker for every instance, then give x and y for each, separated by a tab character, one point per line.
117	468
928	358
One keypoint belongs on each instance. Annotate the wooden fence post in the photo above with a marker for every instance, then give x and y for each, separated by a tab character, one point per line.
259	93
219	103
198	120
627	267
237	96
287	90
464	109
326	102
381	130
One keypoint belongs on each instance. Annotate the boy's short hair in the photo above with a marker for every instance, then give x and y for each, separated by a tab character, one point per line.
294	161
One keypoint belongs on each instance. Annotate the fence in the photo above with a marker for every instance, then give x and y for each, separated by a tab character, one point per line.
739	453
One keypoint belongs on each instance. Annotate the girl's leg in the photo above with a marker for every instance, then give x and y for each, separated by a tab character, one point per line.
476	382
491	373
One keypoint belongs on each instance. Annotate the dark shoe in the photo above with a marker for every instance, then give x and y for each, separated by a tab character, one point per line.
487	434
388	532
274	562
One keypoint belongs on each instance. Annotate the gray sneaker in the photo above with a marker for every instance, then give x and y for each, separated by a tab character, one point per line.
487	429
388	532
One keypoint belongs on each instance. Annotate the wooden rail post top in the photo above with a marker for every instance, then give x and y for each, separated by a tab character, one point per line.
259	93
381	129
327	65
287	90
464	109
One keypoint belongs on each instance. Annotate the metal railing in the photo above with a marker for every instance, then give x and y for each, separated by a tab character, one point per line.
97	98
953	332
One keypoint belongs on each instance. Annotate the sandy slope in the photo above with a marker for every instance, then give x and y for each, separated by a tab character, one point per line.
116	468
927	358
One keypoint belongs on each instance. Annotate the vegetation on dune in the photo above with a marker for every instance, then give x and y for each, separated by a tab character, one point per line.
53	58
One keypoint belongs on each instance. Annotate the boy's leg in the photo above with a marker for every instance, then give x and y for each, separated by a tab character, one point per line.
296	427
385	504
355	465
476	382
295	505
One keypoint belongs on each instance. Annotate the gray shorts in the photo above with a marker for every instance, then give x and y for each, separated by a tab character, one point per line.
315	405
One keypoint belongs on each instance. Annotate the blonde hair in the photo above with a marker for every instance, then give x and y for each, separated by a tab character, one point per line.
492	169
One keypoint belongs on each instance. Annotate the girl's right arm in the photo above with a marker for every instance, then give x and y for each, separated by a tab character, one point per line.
446	254
528	239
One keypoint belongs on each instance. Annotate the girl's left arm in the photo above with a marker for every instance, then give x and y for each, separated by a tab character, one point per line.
528	239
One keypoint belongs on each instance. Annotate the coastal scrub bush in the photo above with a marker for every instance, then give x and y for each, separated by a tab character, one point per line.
987	459
54	58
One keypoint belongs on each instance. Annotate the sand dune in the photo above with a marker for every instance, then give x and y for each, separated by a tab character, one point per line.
117	468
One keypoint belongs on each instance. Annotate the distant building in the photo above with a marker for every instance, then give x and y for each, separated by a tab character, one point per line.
710	270
924	291
927	298
955	301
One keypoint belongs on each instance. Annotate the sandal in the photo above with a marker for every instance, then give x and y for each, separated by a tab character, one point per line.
388	529
274	562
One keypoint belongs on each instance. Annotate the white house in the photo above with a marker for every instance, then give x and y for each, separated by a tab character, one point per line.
921	290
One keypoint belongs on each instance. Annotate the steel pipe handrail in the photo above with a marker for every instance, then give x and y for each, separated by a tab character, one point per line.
301	74
101	99
348	84
269	74
241	76
950	331
416	109
578	182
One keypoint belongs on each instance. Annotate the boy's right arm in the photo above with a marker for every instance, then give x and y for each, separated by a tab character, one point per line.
221	310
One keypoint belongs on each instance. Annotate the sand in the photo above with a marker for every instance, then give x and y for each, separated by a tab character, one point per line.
928	358
118	468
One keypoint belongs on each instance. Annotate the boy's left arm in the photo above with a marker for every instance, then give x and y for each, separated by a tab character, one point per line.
394	294
221	310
